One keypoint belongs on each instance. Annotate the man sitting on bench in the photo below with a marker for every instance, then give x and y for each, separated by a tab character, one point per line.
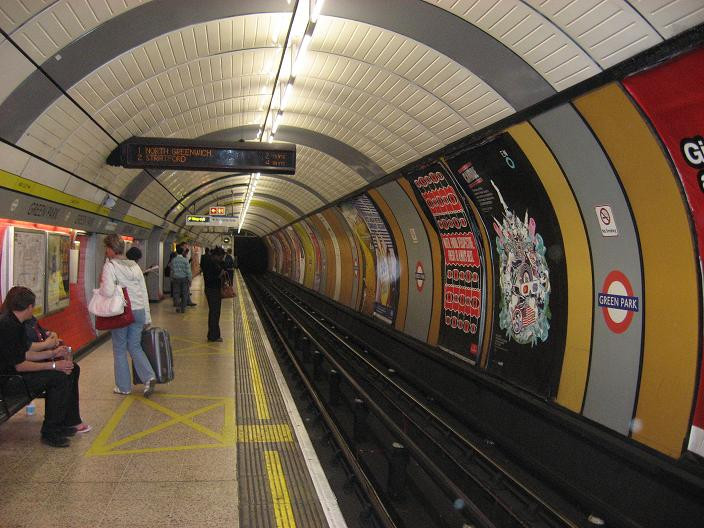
18	355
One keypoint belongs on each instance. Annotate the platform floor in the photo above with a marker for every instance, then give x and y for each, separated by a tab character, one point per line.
220	446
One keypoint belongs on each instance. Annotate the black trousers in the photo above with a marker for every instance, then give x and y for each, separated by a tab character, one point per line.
73	414
214	304
57	386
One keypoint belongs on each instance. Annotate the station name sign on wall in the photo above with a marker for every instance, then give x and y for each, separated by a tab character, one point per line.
190	154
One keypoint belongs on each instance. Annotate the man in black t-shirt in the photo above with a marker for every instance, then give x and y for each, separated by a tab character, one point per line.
42	365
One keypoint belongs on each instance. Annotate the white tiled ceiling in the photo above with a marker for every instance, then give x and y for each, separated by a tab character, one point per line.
609	30
568	41
331	178
390	97
43	27
671	17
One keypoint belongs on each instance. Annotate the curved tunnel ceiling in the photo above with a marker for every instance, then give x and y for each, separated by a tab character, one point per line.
384	82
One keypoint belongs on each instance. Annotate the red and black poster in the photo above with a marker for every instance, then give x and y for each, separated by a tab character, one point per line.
530	279
443	203
672	96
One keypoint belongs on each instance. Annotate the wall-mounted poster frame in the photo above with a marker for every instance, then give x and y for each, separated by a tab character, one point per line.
24	263
58	256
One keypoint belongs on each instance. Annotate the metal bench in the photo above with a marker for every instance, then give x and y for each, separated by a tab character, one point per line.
14	394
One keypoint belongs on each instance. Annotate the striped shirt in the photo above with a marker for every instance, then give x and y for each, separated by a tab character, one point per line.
180	268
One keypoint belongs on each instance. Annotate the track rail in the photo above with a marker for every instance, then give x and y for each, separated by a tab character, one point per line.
474	487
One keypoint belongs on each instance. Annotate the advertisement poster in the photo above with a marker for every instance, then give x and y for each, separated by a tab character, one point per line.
287	261
530	278
319	256
29	264
380	262
277	253
297	256
463	274
57	277
679	121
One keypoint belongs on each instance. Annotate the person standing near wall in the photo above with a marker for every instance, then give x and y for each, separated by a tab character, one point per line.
181	277
213	274
119	272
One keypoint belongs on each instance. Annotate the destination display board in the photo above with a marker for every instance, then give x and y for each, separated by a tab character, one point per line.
189	154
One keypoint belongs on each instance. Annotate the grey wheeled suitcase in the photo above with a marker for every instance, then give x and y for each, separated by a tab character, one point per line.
157	346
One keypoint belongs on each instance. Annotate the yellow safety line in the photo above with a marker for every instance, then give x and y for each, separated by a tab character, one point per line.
279	492
264	433
257	384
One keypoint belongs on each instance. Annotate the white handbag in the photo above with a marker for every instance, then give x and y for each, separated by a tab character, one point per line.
103	306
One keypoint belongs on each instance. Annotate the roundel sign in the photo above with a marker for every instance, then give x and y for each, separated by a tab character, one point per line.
420	276
617	302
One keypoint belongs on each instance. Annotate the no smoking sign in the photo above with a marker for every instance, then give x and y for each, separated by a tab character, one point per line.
607	223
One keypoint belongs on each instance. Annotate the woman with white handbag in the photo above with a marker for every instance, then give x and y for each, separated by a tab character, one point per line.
120	273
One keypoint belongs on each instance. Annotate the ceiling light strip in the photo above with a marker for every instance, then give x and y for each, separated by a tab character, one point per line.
264	135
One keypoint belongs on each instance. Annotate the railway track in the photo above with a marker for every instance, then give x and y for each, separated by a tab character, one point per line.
417	464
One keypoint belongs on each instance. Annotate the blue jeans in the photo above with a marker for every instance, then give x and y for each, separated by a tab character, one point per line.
129	339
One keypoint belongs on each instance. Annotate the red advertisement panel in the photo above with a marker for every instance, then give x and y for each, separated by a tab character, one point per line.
460	249
672	96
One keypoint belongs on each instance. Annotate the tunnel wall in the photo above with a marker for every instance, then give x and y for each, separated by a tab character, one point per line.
560	254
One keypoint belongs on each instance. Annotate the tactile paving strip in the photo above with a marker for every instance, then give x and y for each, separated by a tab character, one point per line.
275	488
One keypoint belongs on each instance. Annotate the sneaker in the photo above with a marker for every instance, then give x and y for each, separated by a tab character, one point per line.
149	387
192	304
117	390
83	428
55	440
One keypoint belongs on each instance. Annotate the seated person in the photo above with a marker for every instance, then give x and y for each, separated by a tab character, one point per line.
37	334
18	355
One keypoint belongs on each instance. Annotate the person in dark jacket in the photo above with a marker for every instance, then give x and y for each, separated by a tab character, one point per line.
213	274
229	265
205	256
37	334
42	365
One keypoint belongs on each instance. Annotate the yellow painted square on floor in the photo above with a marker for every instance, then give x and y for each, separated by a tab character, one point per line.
200	437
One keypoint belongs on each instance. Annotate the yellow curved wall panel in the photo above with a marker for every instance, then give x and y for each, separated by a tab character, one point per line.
308	253
575	364
347	262
670	303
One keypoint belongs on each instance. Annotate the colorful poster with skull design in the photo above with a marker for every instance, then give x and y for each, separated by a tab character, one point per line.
530	285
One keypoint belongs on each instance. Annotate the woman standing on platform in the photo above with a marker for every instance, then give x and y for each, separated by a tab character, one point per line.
119	272
213	273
